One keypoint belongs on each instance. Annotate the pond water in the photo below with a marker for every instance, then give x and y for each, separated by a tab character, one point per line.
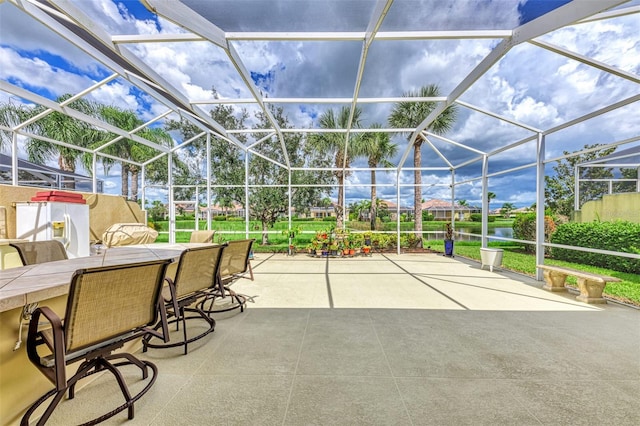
505	232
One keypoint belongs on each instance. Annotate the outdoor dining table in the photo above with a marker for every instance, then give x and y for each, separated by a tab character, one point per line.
34	283
48	284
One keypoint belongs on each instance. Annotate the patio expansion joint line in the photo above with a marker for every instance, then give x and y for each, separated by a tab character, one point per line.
393	376
570	303
295	371
262	261
426	283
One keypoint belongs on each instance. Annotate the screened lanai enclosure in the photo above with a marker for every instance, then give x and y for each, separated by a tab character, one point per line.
262	102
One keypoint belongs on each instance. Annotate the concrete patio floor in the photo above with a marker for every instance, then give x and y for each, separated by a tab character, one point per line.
414	339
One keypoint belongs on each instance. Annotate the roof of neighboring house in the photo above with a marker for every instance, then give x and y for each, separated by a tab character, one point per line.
523	210
235	206
442	205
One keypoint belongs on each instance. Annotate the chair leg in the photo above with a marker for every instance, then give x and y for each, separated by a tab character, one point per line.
250	270
221	293
130	360
123	385
184	330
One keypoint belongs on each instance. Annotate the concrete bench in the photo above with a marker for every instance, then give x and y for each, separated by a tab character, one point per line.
590	285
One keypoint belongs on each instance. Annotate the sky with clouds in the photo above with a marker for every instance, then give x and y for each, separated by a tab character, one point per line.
530	84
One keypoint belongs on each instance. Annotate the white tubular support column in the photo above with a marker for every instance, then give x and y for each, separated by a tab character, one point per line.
208	169
172	207
196	207
576	187
540	205
94	176
453	199
143	190
485	201
289	196
14	159
343	202
246	193
398	211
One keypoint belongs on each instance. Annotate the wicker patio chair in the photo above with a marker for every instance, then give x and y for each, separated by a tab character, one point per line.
106	307
195	276
234	265
33	252
202	237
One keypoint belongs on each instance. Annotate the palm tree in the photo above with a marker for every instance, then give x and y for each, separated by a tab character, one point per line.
360	207
11	115
506	210
490	196
379	149
407	114
56	126
333	144
128	149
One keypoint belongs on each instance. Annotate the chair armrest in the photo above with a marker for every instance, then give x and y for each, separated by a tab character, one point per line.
56	345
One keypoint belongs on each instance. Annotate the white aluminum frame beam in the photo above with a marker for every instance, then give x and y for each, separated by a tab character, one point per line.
86	24
361	35
18	91
611	14
498	116
380	11
317	100
185	17
557	18
586	60
67	101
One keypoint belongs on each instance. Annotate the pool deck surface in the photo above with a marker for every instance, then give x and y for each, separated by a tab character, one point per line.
411	339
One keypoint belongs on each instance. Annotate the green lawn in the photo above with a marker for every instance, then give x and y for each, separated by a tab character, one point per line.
628	290
235	230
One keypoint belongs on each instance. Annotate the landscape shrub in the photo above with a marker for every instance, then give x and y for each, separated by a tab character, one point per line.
619	236
234	219
524	228
219	218
330	219
408	240
477	217
426	216
382	241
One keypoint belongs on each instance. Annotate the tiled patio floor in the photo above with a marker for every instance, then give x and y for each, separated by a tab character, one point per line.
394	340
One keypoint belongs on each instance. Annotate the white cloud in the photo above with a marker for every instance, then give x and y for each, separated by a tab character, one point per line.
38	74
116	94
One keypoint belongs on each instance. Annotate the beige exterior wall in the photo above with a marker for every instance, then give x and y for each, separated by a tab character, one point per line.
104	210
612	207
